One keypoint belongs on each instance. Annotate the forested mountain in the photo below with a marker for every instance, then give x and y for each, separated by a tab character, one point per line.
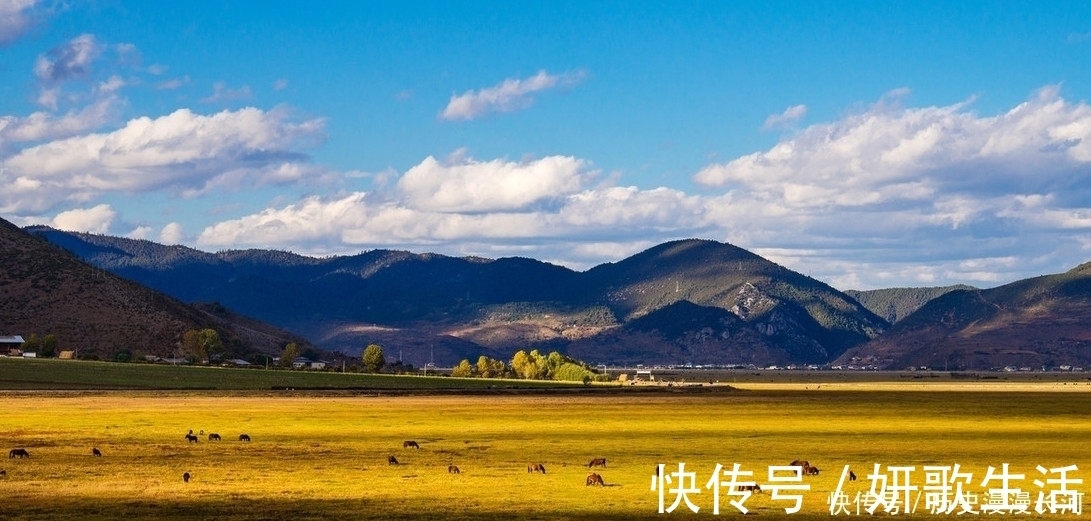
1042	321
894	304
45	290
738	307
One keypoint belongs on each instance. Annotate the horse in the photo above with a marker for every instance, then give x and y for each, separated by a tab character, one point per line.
244	437
409	444
185	477
535	467
451	469
22	453
597	462
391	460
595	479
191	438
95	452
212	436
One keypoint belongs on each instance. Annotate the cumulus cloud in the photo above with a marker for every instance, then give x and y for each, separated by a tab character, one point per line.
455	205
786	118
509	95
173	83
172	234
42	126
466	185
182	151
90	220
15	19
71	60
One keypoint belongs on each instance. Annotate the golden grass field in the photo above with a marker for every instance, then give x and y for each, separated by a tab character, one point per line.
324	455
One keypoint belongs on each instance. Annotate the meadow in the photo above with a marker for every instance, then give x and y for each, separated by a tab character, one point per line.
323	455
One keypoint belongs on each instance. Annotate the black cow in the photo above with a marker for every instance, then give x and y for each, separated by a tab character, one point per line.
244	437
22	453
212	436
391	460
451	469
191	438
185	477
852	476
95	452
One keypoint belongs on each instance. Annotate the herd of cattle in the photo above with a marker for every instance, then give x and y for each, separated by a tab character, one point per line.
592	477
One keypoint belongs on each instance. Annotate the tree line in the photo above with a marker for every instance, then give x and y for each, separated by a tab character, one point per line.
530	366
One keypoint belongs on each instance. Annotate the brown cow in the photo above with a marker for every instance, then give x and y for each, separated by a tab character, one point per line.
391	460
595	479
410	444
597	462
22	453
212	436
244	437
811	471
802	463
535	467
451	469
95	452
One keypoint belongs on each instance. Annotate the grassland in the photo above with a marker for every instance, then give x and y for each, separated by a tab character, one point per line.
324	456
52	374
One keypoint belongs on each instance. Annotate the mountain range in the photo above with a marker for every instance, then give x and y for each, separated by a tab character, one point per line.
47	291
687	301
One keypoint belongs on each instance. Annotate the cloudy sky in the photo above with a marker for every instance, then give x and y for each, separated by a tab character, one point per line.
866	144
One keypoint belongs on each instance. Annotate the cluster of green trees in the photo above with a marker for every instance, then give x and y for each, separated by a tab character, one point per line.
45	346
530	366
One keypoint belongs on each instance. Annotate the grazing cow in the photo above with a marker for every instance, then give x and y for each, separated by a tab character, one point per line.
812	471
191	438
22	453
852	476
451	469
409	444
95	452
806	465
597	462
595	479
185	477
212	436
535	467
244	437
391	460
751	488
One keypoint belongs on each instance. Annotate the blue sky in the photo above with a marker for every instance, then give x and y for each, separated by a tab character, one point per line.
867	144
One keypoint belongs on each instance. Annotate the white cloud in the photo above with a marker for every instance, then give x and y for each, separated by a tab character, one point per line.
172	234
465	185
140	233
72	60
90	220
222	93
786	118
15	19
280	84
41	126
182	151
510	95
